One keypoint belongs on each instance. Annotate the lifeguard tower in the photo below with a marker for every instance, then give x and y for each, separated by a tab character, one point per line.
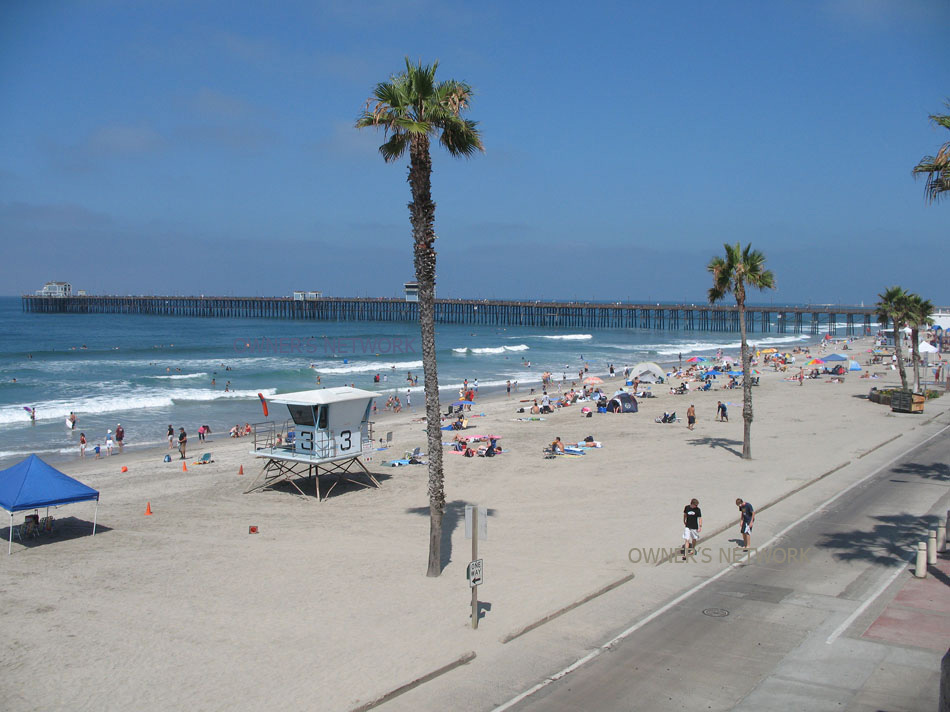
329	429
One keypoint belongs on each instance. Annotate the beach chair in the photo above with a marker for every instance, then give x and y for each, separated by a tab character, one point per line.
203	460
46	525
389	439
410	454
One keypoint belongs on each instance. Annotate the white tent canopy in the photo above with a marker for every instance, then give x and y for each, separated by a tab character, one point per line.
647	371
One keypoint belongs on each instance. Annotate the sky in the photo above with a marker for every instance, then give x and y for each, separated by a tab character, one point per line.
205	147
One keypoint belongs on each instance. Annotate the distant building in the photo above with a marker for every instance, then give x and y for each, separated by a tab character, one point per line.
301	295
56	289
412	291
81	293
311	296
298	295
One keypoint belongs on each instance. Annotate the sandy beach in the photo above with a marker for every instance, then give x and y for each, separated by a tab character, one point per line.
328	606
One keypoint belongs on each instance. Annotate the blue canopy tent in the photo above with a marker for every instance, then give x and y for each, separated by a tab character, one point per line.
836	357
32	484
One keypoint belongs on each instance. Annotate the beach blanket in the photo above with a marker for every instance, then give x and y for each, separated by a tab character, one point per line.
524	420
394	463
574	451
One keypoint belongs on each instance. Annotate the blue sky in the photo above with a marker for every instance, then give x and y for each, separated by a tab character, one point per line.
208	147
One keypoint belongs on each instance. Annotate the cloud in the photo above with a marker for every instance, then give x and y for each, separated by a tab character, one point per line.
211	103
115	141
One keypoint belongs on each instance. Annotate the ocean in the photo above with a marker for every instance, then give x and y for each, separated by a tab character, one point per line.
149	372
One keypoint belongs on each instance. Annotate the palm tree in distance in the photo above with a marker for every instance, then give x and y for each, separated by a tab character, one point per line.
919	313
731	275
411	109
936	168
892	307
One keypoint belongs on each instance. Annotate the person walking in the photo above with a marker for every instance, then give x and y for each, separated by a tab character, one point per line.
409	399
508	387
82	444
747	513
109	442
119	436
171	436
691	416
182	442
693	525
722	414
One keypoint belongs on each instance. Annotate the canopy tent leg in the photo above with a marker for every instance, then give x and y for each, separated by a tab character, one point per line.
10	548
95	515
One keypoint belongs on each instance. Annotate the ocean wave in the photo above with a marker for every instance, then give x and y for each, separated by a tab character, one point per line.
368	367
491	349
697	346
145	399
180	376
564	337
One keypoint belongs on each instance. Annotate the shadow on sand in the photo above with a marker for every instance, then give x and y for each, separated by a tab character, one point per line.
454	514
723	443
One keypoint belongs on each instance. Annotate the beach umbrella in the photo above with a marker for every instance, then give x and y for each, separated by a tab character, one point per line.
713	372
696	359
593	380
769	351
734	373
462	402
926	347
815	362
728	359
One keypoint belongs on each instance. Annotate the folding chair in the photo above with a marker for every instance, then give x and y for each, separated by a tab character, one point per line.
389	439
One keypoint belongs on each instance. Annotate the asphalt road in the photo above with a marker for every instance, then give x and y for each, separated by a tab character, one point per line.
768	635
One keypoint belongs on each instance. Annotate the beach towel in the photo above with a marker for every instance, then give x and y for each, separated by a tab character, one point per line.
574	451
394	463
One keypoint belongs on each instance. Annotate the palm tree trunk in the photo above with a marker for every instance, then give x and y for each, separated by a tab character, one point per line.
422	215
899	354
914	335
746	387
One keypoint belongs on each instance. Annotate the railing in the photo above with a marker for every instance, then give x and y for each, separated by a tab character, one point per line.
288	441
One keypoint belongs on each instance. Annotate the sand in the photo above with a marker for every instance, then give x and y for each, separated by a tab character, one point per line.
328	606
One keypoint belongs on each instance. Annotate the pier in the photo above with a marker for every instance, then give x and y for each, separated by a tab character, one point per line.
833	320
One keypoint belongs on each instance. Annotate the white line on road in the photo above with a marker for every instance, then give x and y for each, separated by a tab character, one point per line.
686	594
877	592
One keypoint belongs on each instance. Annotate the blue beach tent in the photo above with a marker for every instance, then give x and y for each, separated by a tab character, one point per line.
32	484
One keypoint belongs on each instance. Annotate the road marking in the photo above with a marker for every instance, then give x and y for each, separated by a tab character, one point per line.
686	594
877	592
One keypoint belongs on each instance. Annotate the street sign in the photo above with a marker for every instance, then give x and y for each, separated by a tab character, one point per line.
474	574
482	521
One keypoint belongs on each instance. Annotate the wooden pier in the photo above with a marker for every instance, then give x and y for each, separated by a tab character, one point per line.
850	321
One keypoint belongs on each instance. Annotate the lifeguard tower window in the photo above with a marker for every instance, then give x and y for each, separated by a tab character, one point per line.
322	417
302	414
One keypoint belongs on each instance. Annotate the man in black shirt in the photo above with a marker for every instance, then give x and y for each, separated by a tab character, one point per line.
182	442
693	523
747	514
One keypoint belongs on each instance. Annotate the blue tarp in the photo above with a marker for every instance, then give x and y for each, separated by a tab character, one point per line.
32	484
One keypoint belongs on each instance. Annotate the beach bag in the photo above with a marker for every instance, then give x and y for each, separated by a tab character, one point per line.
521	410
168	458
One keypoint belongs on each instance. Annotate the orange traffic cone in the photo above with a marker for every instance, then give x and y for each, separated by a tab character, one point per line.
241	470
148	509
184	467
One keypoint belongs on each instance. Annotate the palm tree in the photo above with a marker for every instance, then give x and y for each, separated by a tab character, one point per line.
411	108
936	168
892	307
731	275
919	313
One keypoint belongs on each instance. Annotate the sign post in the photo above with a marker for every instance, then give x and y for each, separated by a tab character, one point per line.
475	520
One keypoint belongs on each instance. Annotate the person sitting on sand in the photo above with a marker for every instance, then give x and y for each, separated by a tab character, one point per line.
557	446
535	410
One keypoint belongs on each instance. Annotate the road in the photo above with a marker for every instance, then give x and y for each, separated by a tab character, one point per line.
781	634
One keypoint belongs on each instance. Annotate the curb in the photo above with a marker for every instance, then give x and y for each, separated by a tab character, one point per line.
569	607
386	697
